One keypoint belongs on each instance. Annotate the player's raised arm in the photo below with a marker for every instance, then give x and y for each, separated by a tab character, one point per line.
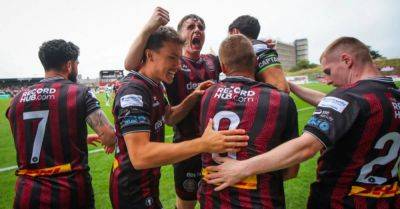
103	128
310	96
276	77
176	113
145	154
134	57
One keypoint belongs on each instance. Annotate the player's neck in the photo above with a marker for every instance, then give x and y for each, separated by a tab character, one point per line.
243	74
149	72
52	73
368	72
190	54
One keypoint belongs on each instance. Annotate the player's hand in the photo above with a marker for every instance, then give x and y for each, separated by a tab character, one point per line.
270	43
227	174
202	87
223	141
109	149
159	18
92	139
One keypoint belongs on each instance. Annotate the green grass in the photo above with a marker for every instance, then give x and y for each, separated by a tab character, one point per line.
296	190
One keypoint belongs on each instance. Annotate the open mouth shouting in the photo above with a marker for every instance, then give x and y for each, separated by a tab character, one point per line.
196	43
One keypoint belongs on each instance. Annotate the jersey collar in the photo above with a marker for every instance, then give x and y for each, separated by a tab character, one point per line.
145	78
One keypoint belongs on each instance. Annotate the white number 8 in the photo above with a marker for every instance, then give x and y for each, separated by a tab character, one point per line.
234	121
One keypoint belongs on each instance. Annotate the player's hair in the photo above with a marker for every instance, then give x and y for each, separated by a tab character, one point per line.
55	53
247	25
349	45
161	35
190	16
236	53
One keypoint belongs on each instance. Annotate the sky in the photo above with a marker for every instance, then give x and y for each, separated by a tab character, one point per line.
104	30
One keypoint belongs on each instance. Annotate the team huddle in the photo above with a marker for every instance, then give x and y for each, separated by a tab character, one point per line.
235	136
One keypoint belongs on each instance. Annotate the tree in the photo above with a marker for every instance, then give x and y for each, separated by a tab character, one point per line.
374	53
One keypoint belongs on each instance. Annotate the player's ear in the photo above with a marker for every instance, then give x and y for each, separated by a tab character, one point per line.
224	69
149	54
68	66
347	59
234	31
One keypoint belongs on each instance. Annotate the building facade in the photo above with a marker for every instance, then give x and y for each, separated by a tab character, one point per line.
290	54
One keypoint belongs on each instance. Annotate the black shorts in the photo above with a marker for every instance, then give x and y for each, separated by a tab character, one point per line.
187	175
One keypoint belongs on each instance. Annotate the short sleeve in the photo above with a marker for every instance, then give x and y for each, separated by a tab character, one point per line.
266	60
333	117
133	108
266	57
91	102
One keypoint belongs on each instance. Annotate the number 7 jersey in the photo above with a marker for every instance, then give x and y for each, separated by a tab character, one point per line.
269	118
48	122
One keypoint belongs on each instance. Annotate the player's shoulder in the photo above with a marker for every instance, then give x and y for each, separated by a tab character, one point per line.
209	57
132	84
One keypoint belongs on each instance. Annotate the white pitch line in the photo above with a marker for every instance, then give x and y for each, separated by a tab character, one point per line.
99	150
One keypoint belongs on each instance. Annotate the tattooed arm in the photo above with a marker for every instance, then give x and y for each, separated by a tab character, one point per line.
103	128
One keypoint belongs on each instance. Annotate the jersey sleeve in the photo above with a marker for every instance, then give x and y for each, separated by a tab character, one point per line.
292	129
91	102
266	57
333	117
133	107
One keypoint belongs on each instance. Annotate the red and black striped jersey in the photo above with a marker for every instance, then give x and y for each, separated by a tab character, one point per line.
139	106
269	118
48	122
191	74
359	125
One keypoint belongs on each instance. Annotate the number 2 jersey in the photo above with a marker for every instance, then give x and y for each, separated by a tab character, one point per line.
49	129
139	106
359	126
269	118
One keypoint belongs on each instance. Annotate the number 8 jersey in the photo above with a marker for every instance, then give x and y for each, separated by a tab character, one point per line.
359	125
269	118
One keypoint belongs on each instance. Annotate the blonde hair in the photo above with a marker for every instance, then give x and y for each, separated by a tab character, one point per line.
236	53
351	46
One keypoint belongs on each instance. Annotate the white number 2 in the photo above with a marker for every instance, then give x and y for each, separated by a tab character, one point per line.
391	155
234	121
38	141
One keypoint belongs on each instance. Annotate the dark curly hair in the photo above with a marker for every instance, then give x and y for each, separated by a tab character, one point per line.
247	25
55	53
161	35
190	16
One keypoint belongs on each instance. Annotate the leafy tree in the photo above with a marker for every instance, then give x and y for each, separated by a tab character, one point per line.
374	53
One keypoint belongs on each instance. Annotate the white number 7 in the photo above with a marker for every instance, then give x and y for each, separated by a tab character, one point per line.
38	141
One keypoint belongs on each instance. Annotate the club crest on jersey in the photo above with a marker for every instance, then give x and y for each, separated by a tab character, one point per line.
155	102
131	100
185	68
159	124
334	103
235	93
